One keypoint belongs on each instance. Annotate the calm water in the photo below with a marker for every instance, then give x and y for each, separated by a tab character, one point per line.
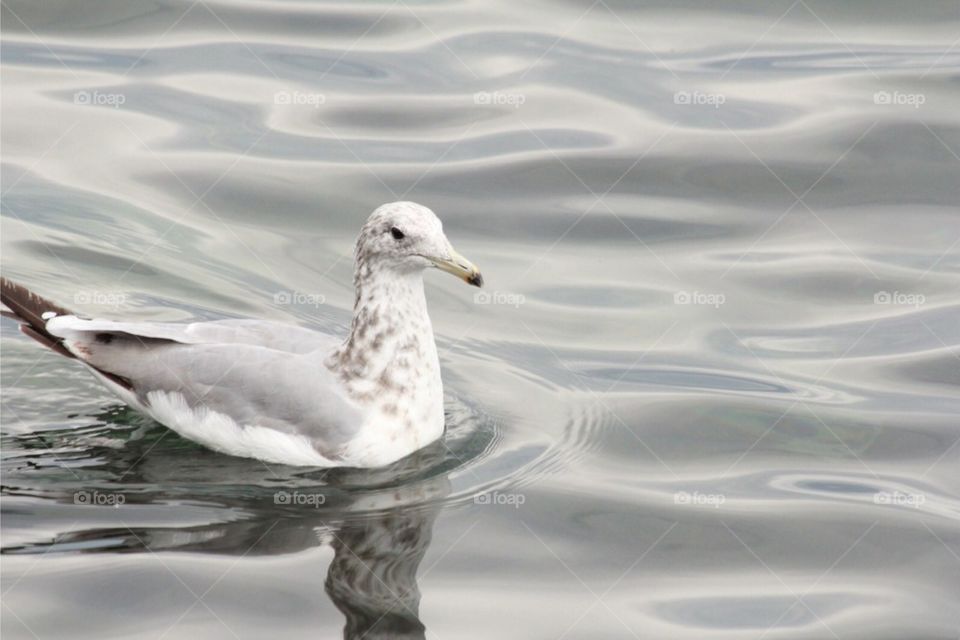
712	390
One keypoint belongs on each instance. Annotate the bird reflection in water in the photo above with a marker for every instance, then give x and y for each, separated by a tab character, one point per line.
373	577
378	522
379	538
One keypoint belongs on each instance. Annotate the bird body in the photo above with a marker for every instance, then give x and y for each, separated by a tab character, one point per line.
277	392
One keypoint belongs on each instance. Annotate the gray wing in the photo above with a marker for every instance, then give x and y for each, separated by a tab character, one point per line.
258	373
272	335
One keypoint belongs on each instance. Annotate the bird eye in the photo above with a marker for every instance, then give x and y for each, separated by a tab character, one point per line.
396	233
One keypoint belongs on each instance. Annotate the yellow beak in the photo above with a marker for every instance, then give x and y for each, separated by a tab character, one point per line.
459	266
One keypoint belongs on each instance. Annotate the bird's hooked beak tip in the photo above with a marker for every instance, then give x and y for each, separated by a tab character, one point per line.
459	266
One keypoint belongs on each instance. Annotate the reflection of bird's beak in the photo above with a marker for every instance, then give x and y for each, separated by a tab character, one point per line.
460	267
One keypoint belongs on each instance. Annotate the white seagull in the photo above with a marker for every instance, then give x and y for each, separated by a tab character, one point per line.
278	392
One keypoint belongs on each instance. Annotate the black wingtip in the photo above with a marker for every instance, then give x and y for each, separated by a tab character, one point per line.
26	304
29	308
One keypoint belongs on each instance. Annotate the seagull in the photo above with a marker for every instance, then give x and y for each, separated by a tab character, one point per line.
278	392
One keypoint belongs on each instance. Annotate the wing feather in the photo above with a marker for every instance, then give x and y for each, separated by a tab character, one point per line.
256	373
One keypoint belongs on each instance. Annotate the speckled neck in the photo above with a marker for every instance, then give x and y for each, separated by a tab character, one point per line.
390	355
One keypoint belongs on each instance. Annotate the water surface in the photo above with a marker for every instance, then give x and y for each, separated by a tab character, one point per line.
710	390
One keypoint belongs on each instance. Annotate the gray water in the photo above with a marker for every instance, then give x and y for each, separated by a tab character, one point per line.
710	390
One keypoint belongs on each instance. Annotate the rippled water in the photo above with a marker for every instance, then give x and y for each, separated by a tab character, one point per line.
712	390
